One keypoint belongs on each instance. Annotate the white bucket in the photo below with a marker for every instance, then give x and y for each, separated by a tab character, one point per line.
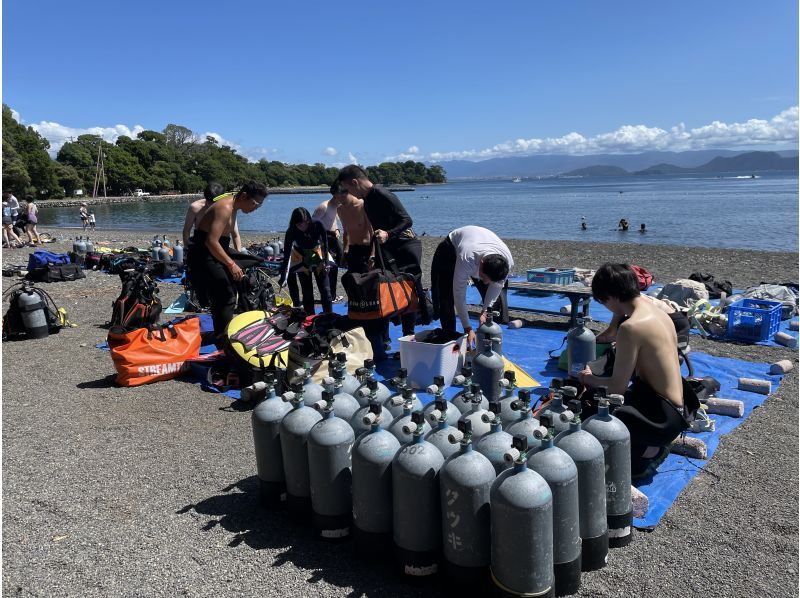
423	361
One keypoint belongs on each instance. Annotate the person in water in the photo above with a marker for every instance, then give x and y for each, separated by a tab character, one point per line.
212	271
584	226
305	253
623	224
468	253
642	228
659	403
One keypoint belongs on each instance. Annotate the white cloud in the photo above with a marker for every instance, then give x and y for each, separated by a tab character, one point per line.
252	153
330	151
411	153
781	129
351	159
15	116
58	134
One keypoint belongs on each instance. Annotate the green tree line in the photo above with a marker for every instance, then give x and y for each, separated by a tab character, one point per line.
172	160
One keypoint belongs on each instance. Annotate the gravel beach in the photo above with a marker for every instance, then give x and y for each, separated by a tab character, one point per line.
151	491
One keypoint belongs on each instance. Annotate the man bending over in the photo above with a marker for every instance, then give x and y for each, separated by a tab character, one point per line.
659	402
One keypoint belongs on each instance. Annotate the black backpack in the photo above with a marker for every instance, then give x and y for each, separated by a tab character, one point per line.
138	304
255	290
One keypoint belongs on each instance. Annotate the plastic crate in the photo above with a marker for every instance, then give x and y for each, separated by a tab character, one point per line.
551	276
426	360
754	320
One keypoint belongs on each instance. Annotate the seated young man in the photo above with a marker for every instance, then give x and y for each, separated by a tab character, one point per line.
659	403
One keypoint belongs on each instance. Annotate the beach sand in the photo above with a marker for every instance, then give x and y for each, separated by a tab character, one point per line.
151	491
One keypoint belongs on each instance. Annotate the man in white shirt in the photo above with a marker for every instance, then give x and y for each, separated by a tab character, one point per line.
327	215
469	252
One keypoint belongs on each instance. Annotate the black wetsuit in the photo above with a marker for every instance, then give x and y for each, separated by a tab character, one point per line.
385	212
212	280
314	236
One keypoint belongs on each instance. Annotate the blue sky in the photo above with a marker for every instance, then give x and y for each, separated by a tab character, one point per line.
366	81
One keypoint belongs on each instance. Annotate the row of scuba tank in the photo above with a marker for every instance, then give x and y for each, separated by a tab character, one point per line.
273	248
159	250
465	485
81	245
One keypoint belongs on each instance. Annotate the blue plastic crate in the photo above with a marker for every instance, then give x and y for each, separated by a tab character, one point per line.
549	276
754	320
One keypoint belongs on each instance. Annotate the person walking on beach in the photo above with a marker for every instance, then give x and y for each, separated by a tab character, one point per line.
8	225
305	254
659	403
211	270
84	216
92	221
33	219
392	226
468	253
326	214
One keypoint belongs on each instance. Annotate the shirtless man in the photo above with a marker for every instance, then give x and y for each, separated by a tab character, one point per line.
197	209
357	248
211	270
659	402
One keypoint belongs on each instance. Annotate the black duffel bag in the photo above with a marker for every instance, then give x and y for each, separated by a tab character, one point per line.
56	273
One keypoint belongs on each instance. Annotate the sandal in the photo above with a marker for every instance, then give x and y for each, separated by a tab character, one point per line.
647	468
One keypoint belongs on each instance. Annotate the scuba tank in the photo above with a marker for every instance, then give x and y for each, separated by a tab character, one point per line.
439	436
32	310
615	438
81	245
337	368
276	247
75	245
525	423
416	508
267	251
155	242
155	252
357	421
479	427
163	253
508	383
494	445
522	527
396	402
372	487
400	425
487	370
362	392
89	245
294	430
165	242
464	483
450	412
330	442
561	474
462	401
177	252
556	406
581	347
346	405
312	392
266	422
491	330
587	453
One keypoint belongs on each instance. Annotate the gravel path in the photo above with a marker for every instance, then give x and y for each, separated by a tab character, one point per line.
151	491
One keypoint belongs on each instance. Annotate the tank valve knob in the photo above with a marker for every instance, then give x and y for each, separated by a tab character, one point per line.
504	383
455	437
321	405
459	380
288	396
409	428
299	373
569	392
616	400
432	389
566	416
488	417
363	392
511	455
369	419
540	432
434	416
397	401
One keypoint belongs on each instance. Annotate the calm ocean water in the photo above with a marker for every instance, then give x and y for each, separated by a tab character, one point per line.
699	211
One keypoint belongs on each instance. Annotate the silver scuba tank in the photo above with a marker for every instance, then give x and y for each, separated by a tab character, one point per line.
312	392
357	421
581	347
32	310
75	245
330	442
487	370
400	426
89	245
496	443
465	481
491	330
587	453
479	426
508	384
276	247
556	406
416	508
521	505
294	430
439	435
450	412
266	423
525	424
268	251
163	253
559	471
346	405
337	368
464	379
362	392
81	245
177	252
155	253
372	488
165	242
396	403
615	438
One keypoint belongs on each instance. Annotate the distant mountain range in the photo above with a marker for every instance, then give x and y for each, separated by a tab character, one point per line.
622	164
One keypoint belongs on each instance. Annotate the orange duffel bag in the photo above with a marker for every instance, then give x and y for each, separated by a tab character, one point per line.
157	352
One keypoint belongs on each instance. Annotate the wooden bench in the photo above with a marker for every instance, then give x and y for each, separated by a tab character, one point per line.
579	297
